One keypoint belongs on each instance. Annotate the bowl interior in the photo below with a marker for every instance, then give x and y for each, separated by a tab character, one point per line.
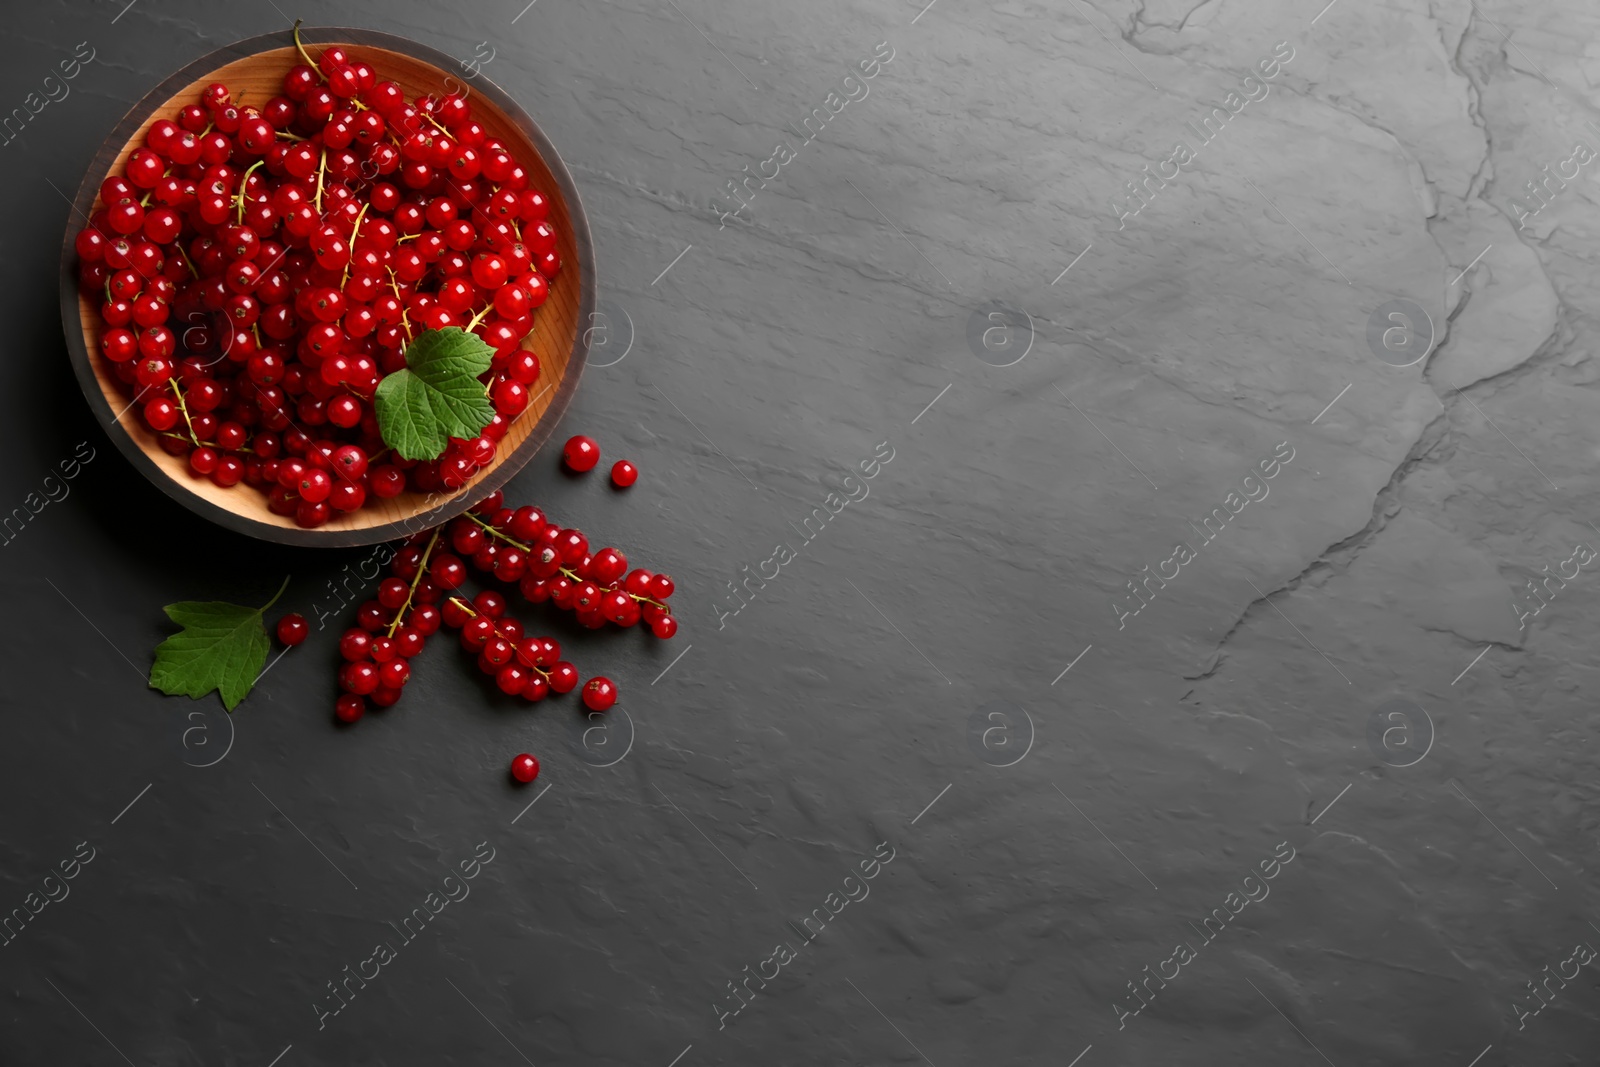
255	78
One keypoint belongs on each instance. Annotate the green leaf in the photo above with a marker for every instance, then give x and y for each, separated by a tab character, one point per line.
437	396
222	646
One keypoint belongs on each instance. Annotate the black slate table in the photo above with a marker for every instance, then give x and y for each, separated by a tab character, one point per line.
1110	634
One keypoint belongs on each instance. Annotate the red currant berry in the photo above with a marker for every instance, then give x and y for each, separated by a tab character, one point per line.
511	678
499	651
349	707
409	641
292	629
386	481
447	571
203	460
563	677
425	619
392	592
573	546
371	617
384	697
608	565
599	693
355	645
489	603
455	613
395	673
664	626
476	633
623	474
314	486
619	607
358	678
536	687
581	453
524	768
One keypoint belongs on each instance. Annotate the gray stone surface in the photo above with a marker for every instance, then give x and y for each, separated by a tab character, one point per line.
1042	858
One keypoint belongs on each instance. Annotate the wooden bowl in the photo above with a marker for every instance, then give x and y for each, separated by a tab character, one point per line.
255	68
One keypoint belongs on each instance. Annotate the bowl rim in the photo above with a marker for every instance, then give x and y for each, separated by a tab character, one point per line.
88	382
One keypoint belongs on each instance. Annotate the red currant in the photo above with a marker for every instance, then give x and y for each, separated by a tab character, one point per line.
581	453
524	768
563	677
355	645
599	693
292	629
608	565
623	474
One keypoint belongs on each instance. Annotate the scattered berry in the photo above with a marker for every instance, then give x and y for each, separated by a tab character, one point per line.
292	629
524	768
349	707
623	474
581	453
599	693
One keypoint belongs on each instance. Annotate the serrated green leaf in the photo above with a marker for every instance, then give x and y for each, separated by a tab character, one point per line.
221	647
437	395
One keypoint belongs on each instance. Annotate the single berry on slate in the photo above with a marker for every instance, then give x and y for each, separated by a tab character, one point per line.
623	474
524	768
349	707
292	629
581	453
599	693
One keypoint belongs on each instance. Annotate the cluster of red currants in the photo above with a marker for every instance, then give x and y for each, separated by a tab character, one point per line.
529	667
548	562
265	268
419	595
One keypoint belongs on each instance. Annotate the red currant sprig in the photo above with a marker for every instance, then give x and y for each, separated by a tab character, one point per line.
390	631
530	667
553	564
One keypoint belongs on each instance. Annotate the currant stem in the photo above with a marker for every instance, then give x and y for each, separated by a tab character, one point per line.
322	166
472	323
238	198
302	50
177	392
576	577
494	532
422	569
355	232
278	594
186	262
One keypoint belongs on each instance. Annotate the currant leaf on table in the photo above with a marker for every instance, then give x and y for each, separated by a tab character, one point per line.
221	647
437	395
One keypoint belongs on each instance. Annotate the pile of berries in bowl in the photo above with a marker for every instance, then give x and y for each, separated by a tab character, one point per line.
315	299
